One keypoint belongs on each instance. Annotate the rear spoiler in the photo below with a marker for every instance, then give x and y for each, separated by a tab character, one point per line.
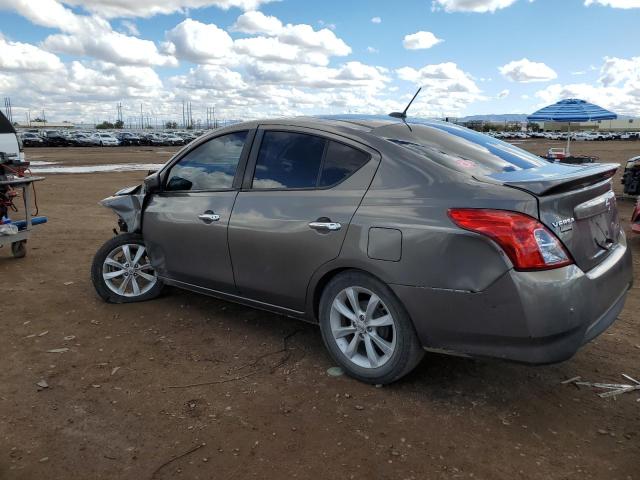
556	177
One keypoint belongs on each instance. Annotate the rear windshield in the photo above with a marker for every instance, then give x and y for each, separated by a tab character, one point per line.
460	148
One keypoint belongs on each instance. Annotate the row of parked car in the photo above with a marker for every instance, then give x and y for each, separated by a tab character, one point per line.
61	138
587	136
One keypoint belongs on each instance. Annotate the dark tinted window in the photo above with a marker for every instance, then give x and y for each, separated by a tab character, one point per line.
340	162
288	160
210	166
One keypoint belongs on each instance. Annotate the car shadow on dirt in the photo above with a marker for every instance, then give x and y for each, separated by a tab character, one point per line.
439	377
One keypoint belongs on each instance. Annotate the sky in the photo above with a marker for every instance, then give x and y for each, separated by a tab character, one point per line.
77	59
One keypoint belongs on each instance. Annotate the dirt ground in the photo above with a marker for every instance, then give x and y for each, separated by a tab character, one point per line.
109	410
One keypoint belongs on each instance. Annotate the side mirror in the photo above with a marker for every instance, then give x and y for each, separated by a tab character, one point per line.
153	183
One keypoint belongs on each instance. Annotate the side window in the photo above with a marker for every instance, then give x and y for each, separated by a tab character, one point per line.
210	166
340	162
288	160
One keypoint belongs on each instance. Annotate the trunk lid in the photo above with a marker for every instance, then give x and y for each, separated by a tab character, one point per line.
576	203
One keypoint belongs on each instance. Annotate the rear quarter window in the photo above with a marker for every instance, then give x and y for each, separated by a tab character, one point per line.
340	162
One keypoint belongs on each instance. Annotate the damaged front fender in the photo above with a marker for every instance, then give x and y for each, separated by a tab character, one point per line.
127	204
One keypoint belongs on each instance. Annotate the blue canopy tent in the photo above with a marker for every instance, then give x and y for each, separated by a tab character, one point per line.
571	110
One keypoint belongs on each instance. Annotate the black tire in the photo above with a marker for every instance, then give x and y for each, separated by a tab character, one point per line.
99	283
19	249
408	351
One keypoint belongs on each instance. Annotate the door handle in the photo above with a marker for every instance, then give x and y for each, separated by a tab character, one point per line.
209	216
324	226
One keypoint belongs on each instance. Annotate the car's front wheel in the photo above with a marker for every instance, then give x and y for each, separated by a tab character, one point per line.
367	330
122	273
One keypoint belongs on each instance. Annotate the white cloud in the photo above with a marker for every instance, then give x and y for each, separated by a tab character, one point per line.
257	22
626	4
526	71
79	89
477	6
99	41
87	35
130	27
210	77
372	50
271	49
323	41
420	41
617	71
149	8
47	13
376	20
618	88
447	89
330	26
504	93
198	42
269	68
445	76
17	56
206	43
350	75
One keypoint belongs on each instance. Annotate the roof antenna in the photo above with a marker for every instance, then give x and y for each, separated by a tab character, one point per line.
403	114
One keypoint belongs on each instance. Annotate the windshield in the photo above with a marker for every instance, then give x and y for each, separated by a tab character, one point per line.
460	148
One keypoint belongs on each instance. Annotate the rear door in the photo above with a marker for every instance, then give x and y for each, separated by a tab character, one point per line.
185	225
301	190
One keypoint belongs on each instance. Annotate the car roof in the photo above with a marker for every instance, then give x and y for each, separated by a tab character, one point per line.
346	124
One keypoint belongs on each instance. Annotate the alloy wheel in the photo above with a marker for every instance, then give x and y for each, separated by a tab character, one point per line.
127	271
363	327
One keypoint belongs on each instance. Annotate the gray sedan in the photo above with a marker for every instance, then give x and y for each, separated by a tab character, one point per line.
395	236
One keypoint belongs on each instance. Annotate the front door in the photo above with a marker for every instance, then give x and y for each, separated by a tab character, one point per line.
185	225
301	190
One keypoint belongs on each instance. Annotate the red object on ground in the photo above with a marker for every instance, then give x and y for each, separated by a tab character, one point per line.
556	154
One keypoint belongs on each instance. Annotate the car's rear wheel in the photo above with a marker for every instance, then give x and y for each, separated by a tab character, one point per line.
122	271
367	330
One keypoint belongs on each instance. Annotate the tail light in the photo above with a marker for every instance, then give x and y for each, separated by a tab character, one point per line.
528	244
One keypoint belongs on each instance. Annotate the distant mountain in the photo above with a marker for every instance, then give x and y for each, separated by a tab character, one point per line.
507	117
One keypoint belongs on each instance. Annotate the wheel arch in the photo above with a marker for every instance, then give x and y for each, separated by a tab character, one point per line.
320	280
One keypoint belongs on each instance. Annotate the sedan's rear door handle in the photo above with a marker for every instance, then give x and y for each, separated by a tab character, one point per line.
209	216
324	226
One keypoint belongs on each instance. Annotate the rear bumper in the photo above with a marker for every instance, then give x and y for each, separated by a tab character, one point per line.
531	317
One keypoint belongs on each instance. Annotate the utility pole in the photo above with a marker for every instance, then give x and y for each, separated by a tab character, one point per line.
119	113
